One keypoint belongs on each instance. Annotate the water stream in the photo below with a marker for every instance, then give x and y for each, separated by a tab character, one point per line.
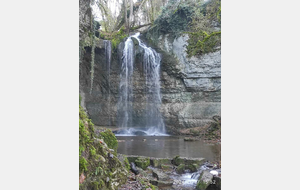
107	45
151	72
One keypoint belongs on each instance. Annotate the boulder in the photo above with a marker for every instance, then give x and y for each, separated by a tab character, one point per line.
133	168
205	180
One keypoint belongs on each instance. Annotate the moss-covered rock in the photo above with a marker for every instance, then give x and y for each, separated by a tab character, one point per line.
180	169
99	168
166	167
158	162
204	181
187	161
110	139
142	162
192	167
178	160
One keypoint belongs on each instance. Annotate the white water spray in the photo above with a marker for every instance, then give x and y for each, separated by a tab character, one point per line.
107	45
151	68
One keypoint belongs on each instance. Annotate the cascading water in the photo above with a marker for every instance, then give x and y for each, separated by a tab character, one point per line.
125	99
151	71
107	45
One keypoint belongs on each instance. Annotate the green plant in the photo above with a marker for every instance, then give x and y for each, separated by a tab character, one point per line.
110	139
127	165
82	164
201	42
92	151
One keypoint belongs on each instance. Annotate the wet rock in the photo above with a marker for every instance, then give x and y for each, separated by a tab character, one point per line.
142	162
192	167
190	139
187	161
161	183
139	133
160	175
135	41
166	167
180	169
133	168
204	181
158	162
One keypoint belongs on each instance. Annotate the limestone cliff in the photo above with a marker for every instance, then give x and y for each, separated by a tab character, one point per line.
190	86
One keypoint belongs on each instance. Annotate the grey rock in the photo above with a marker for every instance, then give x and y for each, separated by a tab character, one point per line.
205	180
190	87
160	175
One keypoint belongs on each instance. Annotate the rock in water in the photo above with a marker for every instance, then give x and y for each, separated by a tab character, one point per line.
139	133
133	168
205	180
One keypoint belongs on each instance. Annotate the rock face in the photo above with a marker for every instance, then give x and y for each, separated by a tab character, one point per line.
190	87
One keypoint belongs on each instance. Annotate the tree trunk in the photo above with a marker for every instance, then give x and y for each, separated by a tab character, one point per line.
131	14
125	15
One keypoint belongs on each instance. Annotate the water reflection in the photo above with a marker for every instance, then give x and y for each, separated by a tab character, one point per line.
170	146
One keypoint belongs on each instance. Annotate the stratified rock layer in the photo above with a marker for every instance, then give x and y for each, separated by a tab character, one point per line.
190	87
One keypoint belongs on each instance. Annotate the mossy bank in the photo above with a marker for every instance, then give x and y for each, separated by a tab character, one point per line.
99	166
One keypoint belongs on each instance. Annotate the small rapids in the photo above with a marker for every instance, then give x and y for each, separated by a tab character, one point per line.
188	181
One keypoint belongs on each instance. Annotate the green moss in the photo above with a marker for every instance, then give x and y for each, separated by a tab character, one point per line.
143	162
192	167
115	37
82	164
201	185
110	139
127	165
92	151
159	162
180	169
201	42
177	161
166	167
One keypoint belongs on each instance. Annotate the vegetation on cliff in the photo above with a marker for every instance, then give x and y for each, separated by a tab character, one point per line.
99	166
200	20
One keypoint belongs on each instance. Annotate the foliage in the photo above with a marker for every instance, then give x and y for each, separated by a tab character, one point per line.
203	38
110	139
96	28
114	37
95	160
127	165
82	164
201	42
176	16
108	20
200	20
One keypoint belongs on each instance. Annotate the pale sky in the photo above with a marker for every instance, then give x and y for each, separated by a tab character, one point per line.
112	5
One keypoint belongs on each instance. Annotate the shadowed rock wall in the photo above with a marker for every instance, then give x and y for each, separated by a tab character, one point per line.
190	87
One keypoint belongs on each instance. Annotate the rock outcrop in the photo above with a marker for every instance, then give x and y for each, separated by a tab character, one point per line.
190	86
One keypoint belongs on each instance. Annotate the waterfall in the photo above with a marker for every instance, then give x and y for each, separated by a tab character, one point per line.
107	45
151	71
125	99
151	66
